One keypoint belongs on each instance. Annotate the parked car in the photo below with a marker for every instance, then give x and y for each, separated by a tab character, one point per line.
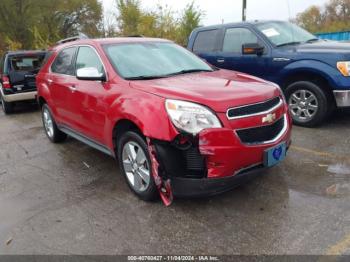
17	77
314	74
177	125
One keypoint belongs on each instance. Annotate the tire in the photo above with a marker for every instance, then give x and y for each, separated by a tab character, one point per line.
51	130
135	164
7	107
308	103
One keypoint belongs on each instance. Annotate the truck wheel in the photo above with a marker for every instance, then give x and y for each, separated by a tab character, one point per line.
308	103
53	133
135	163
7	107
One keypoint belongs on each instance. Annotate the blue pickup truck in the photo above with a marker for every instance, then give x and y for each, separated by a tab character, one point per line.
314	74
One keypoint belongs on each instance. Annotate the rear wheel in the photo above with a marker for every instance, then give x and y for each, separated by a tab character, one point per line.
51	129
7	107
135	163
308	103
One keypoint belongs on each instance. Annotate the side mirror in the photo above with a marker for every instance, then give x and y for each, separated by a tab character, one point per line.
252	49
90	74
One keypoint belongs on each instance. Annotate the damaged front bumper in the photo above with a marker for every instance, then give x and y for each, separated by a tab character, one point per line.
212	163
189	187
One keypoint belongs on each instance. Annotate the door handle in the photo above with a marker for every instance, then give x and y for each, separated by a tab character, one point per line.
50	81
72	88
220	60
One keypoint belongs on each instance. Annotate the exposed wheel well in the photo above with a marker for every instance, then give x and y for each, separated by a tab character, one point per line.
316	78
121	127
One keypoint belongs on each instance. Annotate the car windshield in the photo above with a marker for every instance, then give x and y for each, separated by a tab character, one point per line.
153	60
284	33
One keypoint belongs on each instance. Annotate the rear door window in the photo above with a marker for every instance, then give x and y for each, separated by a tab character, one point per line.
47	57
64	62
206	41
236	37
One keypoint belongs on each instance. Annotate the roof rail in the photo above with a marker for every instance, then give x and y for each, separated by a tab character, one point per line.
73	38
135	36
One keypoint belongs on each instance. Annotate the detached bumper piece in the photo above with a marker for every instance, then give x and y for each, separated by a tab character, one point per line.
187	187
342	98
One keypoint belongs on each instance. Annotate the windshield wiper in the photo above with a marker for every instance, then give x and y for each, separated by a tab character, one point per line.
289	43
167	75
312	40
189	71
144	77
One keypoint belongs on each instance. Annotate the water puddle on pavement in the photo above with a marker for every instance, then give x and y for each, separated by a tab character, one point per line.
339	169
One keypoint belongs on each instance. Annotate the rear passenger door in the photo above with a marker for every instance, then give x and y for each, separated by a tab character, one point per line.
62	82
230	54
206	45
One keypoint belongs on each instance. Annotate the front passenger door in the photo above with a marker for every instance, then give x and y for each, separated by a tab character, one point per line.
231	57
90	96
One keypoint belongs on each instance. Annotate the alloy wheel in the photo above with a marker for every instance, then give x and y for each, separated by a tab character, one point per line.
136	166
303	105
48	123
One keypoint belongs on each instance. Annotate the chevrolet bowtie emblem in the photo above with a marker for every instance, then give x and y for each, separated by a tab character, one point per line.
269	118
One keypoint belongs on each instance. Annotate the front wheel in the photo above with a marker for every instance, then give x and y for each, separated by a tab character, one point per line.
135	163
308	103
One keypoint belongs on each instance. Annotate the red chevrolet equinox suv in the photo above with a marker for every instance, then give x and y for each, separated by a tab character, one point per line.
178	126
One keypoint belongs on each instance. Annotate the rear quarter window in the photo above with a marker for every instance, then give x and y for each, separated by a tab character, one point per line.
205	41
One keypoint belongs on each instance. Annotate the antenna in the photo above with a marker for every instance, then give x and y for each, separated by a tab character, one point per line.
244	10
290	19
289	12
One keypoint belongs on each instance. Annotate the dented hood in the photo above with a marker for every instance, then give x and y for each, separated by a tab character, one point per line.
218	90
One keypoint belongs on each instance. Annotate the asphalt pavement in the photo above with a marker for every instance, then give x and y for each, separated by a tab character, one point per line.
72	199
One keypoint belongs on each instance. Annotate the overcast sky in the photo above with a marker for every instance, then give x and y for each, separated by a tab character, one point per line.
230	10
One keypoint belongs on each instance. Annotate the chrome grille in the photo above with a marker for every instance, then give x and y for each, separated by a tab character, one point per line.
263	134
254	109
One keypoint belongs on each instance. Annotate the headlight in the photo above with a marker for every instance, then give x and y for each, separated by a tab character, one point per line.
190	117
282	94
344	68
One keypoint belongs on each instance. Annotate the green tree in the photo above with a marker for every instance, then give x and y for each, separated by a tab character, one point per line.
337	13
311	19
148	25
129	17
167	23
15	16
334	16
189	20
162	22
32	24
